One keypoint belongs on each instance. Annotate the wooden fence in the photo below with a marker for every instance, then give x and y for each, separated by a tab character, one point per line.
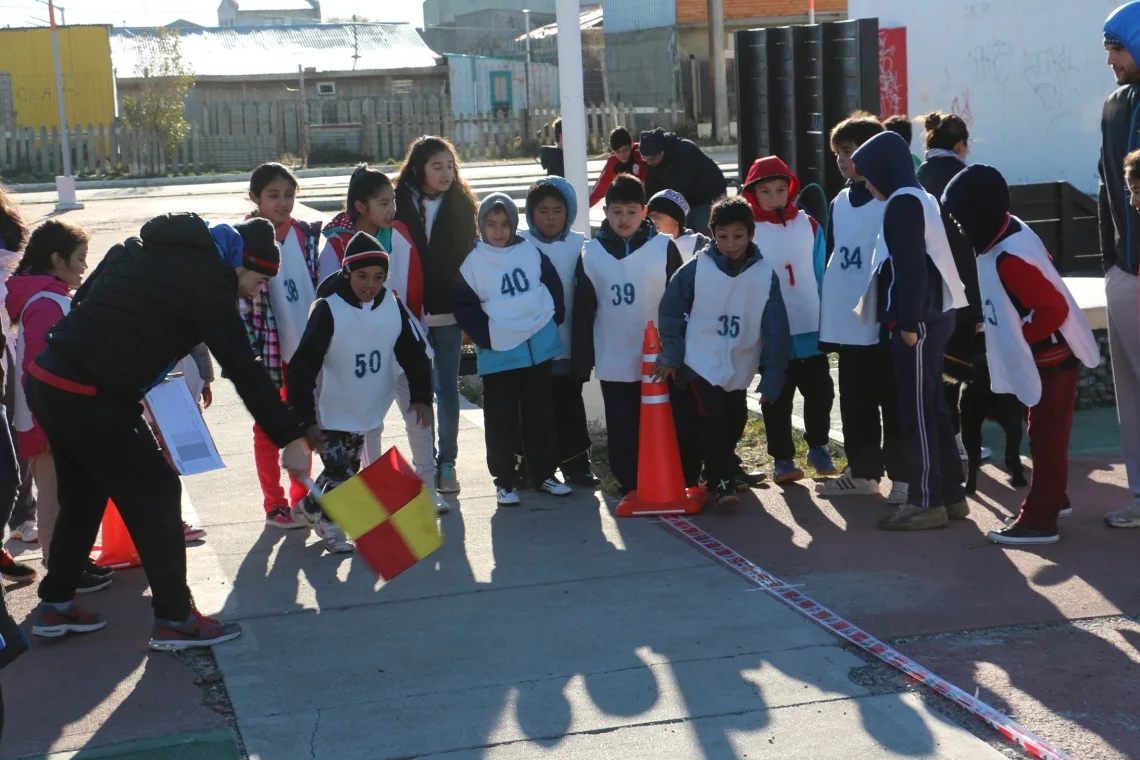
237	137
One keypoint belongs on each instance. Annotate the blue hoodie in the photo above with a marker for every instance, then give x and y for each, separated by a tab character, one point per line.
566	190
677	303
1120	134
910	286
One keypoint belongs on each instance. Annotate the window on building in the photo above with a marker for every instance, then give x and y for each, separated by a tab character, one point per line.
326	89
402	86
501	95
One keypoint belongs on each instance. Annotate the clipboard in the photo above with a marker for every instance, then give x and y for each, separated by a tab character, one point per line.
181	429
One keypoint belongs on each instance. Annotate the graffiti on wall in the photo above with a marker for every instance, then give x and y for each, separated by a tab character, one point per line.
892	72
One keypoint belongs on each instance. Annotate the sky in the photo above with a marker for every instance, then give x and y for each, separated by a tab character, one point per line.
205	12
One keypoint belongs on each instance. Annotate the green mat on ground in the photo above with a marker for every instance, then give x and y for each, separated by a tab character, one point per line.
1095	431
220	744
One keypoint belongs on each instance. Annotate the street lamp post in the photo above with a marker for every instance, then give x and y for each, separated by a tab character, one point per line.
65	185
526	75
572	96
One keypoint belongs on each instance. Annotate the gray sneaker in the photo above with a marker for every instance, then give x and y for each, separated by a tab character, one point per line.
910	517
448	483
1129	517
959	511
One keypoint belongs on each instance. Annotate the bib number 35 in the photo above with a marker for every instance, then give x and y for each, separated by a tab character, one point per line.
729	326
367	363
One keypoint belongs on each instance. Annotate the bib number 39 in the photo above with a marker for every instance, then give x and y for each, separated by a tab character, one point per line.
623	294
366	363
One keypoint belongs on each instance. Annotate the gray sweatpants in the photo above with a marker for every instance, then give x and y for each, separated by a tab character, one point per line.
1123	294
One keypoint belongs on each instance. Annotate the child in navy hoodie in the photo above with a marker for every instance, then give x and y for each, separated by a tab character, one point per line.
508	299
1037	337
793	242
913	290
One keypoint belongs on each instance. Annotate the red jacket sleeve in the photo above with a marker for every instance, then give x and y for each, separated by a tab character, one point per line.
604	181
414	298
38	318
1036	293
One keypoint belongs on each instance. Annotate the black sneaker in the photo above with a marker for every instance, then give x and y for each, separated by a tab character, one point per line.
90	583
97	570
751	479
1016	534
11	570
586	479
723	496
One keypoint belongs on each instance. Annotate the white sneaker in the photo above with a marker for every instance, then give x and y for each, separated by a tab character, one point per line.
27	531
335	540
898	493
442	505
507	497
1129	517
554	488
985	454
846	485
304	517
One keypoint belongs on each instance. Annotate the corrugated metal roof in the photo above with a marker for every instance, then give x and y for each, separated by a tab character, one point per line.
274	5
266	50
636	15
587	19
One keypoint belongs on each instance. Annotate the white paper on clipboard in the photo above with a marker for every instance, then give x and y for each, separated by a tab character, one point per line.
187	438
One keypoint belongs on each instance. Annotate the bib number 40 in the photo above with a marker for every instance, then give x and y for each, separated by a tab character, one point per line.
515	282
366	363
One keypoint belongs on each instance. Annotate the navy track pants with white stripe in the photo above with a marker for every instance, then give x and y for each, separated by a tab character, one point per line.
936	474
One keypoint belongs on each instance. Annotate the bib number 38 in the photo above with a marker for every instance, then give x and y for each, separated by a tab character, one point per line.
291	294
367	363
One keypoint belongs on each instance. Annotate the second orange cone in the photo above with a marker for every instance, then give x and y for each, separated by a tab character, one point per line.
660	482
116	549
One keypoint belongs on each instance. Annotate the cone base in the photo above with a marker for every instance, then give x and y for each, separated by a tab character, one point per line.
114	561
692	504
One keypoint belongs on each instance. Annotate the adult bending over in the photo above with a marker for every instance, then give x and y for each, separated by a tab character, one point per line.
151	300
674	163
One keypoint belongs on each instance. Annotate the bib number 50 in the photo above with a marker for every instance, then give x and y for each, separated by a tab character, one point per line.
366	363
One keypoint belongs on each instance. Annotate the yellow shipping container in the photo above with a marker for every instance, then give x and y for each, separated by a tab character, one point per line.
88	80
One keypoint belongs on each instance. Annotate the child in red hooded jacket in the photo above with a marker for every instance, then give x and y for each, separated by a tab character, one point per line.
797	247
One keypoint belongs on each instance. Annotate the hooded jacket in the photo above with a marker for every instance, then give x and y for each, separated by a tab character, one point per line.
885	161
1120	134
544	345
636	166
586	297
40	317
688	170
451	238
934	175
339	232
148	304
677	303
804	345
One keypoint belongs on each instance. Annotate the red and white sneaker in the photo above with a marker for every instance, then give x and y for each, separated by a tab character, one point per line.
49	623
196	631
191	532
282	518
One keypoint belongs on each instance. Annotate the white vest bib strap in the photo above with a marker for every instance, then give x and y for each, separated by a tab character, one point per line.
790	249
855	231
1009	356
564	255
723	338
629	293
687	246
291	293
508	282
357	383
22	415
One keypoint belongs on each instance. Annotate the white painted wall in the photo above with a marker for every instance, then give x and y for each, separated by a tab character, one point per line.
1030	73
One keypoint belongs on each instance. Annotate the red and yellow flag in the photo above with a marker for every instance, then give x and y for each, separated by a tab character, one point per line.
388	511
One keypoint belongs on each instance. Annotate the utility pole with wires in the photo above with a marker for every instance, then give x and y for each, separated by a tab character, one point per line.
65	185
811	11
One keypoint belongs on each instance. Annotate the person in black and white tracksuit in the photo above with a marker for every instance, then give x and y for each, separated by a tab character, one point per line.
508	299
343	374
619	284
914	288
868	398
668	211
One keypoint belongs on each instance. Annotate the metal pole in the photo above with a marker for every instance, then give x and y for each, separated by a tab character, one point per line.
571	86
65	185
526	113
811	11
717	70
303	126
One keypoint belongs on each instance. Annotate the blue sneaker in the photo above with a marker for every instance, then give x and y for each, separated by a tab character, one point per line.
820	460
785	471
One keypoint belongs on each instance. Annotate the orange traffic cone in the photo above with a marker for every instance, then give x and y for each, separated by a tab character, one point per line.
117	549
660	483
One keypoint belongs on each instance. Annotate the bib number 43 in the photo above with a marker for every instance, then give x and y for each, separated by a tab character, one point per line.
366	363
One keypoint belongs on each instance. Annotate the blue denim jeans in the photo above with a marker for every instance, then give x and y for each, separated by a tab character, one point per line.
447	342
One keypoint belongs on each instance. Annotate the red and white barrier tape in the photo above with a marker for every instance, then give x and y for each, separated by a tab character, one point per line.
812	609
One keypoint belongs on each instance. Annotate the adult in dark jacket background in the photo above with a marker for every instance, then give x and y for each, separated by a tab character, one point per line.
438	209
1120	241
674	163
151	300
947	145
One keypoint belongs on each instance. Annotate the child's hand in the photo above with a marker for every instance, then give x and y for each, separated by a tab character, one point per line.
909	338
766	400
207	396
314	438
425	416
662	373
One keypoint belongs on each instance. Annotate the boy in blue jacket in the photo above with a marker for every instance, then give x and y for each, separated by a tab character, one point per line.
914	289
508	299
721	318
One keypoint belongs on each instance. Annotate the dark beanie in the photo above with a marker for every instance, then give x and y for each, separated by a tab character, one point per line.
260	252
652	143
363	251
978	199
672	203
